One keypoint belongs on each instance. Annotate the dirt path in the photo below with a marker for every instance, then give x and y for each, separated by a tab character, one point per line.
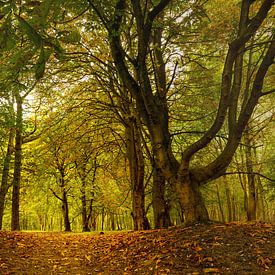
235	248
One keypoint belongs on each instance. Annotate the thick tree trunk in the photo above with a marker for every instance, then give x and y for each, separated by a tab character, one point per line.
5	175
15	225
191	202
136	167
160	205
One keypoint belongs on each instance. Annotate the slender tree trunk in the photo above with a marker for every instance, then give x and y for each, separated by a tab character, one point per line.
233	208
102	218
261	204
220	203
5	175
84	212
15	225
251	203
160	205
228	200
91	217
65	211
85	222
64	200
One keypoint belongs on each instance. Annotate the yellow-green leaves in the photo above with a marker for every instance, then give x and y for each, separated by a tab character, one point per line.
45	8
72	36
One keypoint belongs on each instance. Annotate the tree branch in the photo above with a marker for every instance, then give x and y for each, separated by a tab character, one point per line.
267	92
247	173
244	35
55	194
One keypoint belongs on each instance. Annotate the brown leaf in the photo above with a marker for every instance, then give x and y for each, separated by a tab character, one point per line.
211	270
264	262
197	248
88	258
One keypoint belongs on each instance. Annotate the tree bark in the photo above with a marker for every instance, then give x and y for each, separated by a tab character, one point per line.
83	171
160	204
15	225
228	200
85	221
191	201
5	175
220	203
261	203
63	198
251	200
136	167
65	211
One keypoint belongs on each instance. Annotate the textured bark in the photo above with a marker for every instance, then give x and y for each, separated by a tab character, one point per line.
5	175
160	204
63	198
136	167
65	211
228	200
83	171
192	202
251	198
15	225
85	221
220	203
261	211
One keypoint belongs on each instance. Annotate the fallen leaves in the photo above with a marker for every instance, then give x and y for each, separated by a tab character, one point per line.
211	270
264	262
203	249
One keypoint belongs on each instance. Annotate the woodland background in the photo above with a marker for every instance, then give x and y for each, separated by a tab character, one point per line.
75	152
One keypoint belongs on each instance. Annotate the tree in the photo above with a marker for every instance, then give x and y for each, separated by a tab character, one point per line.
152	103
6	164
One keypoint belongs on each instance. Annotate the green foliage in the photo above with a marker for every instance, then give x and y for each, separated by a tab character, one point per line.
41	63
7	36
5	8
72	36
30	31
45	7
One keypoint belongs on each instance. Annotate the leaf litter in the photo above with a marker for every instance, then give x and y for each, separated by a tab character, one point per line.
231	248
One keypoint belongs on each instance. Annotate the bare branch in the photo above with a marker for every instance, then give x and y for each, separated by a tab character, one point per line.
55	194
247	173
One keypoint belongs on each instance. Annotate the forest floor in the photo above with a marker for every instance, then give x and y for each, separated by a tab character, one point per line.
232	248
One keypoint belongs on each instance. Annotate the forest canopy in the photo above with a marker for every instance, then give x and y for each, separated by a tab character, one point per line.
136	114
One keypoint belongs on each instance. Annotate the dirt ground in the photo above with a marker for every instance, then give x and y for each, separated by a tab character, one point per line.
232	248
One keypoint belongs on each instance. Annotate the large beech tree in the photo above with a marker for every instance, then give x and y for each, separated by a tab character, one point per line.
152	102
